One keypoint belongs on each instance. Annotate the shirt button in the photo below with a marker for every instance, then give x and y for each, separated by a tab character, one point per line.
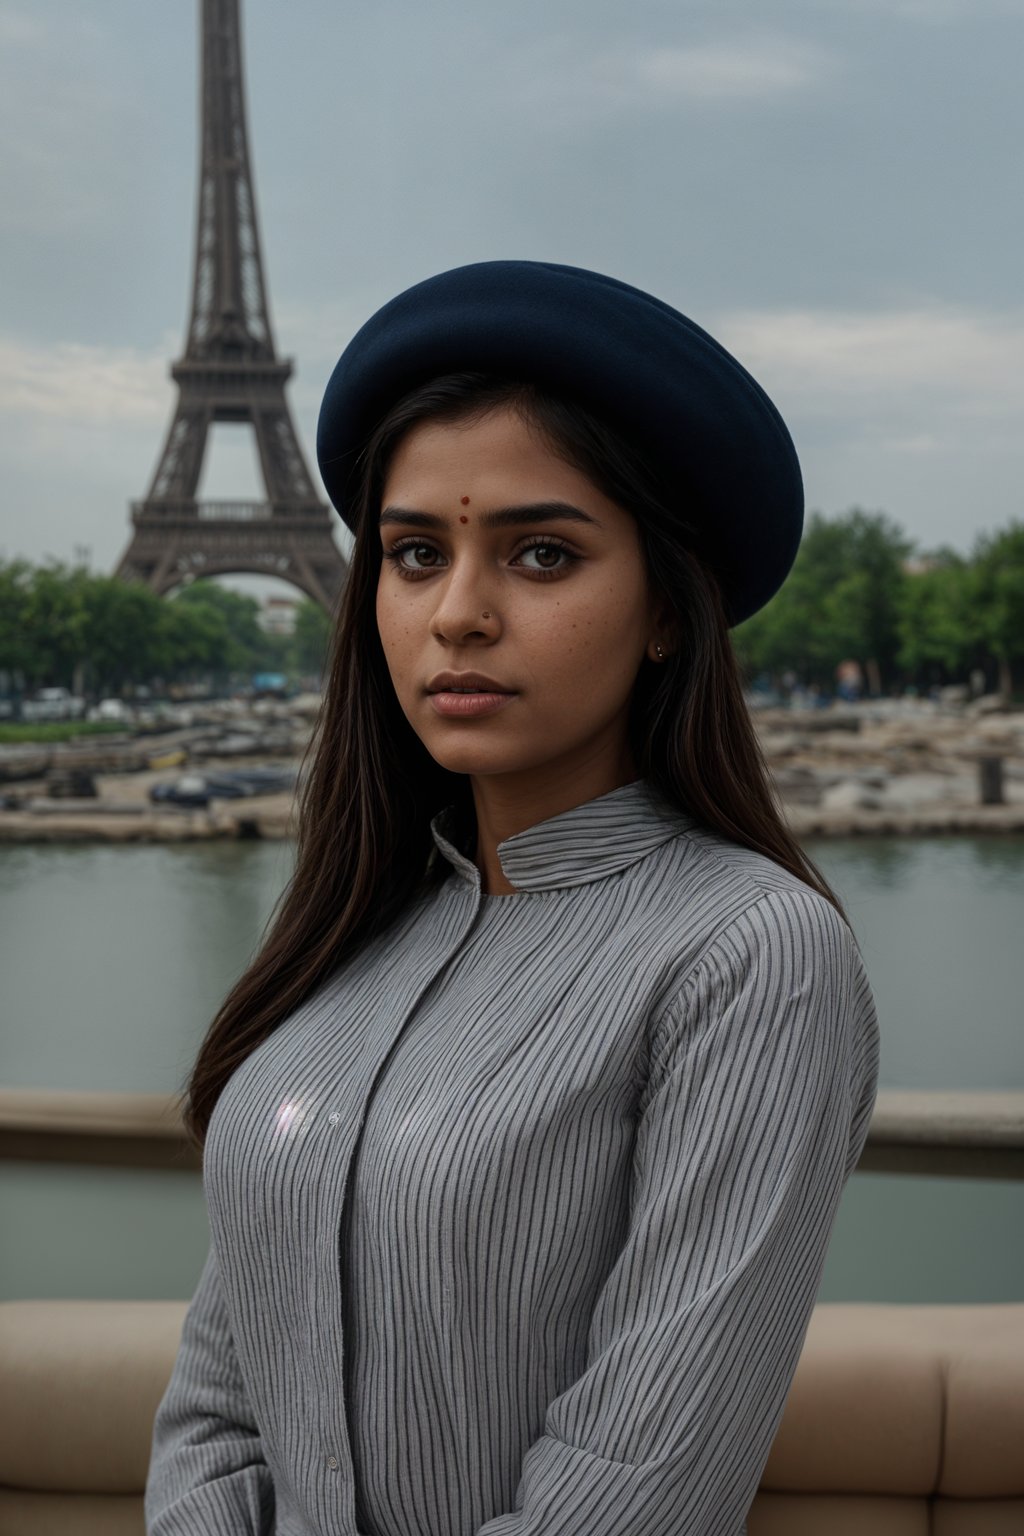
332	1462
334	1119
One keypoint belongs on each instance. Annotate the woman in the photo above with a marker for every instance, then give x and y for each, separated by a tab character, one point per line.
525	1131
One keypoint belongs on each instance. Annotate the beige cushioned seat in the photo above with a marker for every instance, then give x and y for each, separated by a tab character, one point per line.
902	1420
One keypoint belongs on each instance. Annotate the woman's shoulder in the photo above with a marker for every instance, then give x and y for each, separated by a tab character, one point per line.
714	881
716	904
746	938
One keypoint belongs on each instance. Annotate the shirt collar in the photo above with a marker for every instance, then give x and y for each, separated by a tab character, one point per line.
586	842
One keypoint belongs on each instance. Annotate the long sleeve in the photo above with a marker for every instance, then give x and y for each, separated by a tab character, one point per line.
207	1473
760	1081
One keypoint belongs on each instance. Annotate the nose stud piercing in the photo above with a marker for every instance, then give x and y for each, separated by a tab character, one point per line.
661	653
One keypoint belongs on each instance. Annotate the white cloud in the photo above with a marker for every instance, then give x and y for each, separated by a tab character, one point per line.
77	383
572	83
58	125
938	11
754	69
911	374
18	28
913	410
315	333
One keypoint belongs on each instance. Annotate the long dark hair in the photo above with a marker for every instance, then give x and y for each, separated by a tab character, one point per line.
363	811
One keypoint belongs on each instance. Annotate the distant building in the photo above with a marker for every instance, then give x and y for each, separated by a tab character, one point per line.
916	565
277	615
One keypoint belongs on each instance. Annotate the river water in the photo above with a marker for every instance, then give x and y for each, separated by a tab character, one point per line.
113	959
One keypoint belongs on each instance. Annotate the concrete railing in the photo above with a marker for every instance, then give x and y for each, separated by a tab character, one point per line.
976	1134
141	1130
980	1134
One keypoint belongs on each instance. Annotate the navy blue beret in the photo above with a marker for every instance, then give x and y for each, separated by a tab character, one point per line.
706	426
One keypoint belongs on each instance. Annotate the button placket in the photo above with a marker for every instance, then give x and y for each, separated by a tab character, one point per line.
353	1119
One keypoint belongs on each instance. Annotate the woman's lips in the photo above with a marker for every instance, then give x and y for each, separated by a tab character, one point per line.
466	706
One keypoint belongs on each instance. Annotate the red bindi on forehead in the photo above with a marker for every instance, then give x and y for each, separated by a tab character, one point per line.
463	518
465	501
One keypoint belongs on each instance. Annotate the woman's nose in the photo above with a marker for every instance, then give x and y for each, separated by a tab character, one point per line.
466	600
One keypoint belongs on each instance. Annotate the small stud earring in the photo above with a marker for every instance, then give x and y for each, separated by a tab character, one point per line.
661	653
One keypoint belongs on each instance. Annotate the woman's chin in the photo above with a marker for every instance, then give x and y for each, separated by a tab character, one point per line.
477	757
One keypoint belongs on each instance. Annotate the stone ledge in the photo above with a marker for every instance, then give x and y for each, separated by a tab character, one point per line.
804	821
973	1133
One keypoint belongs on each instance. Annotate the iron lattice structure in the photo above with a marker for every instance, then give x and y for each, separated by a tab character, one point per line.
230	372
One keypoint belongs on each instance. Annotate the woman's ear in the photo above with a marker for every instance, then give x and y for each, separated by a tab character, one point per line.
664	631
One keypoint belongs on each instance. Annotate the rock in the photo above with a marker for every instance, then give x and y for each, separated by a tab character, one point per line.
852	795
797	783
24	762
97	808
70	784
782	743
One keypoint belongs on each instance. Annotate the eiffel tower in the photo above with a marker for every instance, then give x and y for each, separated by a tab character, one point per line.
230	372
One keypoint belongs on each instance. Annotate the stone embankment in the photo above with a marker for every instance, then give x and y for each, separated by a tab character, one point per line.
116	817
897	767
97	788
909	767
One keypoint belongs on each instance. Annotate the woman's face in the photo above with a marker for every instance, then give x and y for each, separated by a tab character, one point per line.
501	559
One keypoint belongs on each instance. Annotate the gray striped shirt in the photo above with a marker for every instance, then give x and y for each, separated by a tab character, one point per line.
517	1225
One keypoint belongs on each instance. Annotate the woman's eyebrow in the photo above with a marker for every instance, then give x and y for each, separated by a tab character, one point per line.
502	517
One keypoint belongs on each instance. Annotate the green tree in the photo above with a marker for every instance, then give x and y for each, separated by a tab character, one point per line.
246	646
998	598
61	625
121	637
54	618
193	641
307	652
17	651
938	622
841	601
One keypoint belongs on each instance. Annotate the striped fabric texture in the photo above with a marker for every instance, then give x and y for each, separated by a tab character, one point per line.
518	1224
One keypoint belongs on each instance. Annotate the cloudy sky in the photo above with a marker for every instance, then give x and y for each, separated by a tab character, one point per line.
832	187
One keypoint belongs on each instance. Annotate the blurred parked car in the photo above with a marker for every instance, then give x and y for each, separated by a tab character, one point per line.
53	704
111	709
189	789
197	789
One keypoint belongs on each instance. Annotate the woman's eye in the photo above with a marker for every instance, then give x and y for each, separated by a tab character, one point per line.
551	558
398	555
547	563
